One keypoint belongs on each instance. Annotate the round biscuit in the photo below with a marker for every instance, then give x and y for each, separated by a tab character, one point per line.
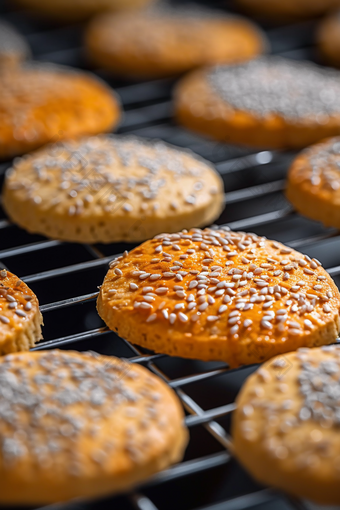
42	103
111	188
82	425
219	295
286	426
20	317
163	41
313	184
268	102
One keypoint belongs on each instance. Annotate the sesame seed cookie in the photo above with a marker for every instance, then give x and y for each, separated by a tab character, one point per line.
286	425
13	47
328	38
111	188
78	10
20	317
289	9
215	294
268	102
82	425
166	41
40	103
313	184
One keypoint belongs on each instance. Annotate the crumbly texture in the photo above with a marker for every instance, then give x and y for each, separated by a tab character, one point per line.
82	425
78	10
164	42
313	184
268	102
111	188
40	103
328	39
219	295
13	47
289	9
286	426
20	317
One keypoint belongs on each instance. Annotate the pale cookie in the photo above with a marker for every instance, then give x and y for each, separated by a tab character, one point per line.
286	426
13	47
219	295
20	317
82	426
288	9
168	41
313	184
328	38
40	103
111	188
78	10
268	102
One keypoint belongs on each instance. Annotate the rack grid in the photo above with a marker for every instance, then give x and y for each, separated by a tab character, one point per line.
65	277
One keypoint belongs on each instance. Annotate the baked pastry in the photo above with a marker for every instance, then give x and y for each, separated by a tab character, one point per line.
78	10
13	47
82	425
268	102
328	38
313	184
40	103
165	41
286	425
219	295
111	188
289	9
20	317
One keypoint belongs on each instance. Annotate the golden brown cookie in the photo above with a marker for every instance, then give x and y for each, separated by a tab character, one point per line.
269	102
167	41
288	9
13	47
219	295
77	10
40	103
111	188
20	317
328	38
313	184
82	425
286	426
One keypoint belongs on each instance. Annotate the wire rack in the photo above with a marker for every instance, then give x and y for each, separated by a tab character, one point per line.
66	276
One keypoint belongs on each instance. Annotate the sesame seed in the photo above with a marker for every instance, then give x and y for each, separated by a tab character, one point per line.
266	324
151	317
133	286
149	299
145	306
182	317
4	320
326	308
118	272
172	318
20	313
161	290
144	276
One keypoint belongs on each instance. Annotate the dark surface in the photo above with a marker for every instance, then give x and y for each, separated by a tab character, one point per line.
253	184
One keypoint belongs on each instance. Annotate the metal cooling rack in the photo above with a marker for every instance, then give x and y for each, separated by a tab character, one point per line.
65	278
